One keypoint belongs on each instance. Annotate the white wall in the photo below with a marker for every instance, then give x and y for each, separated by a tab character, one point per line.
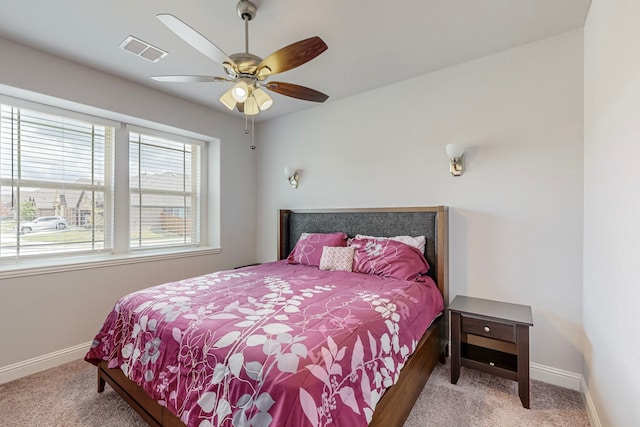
516	213
612	210
43	314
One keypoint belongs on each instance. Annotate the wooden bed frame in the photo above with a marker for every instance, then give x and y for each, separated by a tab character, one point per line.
396	403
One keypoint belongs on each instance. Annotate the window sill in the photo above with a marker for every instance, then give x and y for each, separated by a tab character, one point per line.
59	265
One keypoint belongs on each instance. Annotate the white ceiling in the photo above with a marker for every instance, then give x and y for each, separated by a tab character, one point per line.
371	43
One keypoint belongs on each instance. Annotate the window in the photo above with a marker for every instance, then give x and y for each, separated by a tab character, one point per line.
164	181
61	194
55	184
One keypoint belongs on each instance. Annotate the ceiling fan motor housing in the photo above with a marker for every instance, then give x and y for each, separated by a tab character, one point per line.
246	63
247	9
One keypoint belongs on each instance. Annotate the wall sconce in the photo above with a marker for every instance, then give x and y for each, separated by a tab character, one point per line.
293	176
455	152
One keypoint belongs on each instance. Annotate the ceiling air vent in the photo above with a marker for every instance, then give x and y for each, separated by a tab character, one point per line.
142	49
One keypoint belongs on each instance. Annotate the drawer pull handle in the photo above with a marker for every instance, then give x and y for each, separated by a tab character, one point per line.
487	329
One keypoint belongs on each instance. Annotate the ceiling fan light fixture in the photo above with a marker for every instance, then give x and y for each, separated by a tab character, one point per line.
263	99
251	106
240	91
228	100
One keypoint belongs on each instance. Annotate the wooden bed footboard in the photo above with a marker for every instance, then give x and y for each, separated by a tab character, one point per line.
151	411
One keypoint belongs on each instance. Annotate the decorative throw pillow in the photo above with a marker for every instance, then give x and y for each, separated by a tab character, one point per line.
337	258
308	249
388	258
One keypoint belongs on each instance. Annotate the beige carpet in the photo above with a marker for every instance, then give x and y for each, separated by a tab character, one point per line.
66	397
482	400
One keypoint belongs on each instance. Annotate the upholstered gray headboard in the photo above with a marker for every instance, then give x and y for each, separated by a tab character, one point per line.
431	222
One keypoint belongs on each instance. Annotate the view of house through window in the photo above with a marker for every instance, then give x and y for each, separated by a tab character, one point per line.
164	180
55	184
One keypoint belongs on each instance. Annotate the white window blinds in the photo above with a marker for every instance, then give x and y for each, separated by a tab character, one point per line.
164	180
56	184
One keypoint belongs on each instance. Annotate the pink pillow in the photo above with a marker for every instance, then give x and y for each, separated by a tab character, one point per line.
308	250
388	258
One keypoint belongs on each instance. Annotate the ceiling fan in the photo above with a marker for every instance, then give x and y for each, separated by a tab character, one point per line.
248	71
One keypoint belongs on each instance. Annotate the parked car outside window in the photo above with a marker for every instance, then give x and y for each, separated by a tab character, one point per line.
44	223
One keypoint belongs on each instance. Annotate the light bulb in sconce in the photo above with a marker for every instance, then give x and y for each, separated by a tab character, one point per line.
293	176
455	152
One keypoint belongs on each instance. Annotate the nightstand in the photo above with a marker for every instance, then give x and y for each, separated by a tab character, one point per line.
492	337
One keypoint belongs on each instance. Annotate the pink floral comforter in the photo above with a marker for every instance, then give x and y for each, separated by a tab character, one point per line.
275	344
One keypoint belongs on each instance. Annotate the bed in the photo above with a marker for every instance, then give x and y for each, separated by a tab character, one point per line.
325	391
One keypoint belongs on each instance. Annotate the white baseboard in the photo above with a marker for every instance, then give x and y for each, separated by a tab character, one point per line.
41	363
591	409
558	377
569	380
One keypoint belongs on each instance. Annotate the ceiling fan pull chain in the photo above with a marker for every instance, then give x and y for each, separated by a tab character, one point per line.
246	129
253	146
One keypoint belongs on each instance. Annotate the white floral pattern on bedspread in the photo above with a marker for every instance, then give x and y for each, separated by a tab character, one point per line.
276	344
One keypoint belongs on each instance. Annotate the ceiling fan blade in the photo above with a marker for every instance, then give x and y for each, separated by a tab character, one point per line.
240	106
295	91
291	56
195	39
189	79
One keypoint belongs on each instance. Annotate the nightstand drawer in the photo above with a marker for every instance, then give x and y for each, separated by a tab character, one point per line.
486	328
